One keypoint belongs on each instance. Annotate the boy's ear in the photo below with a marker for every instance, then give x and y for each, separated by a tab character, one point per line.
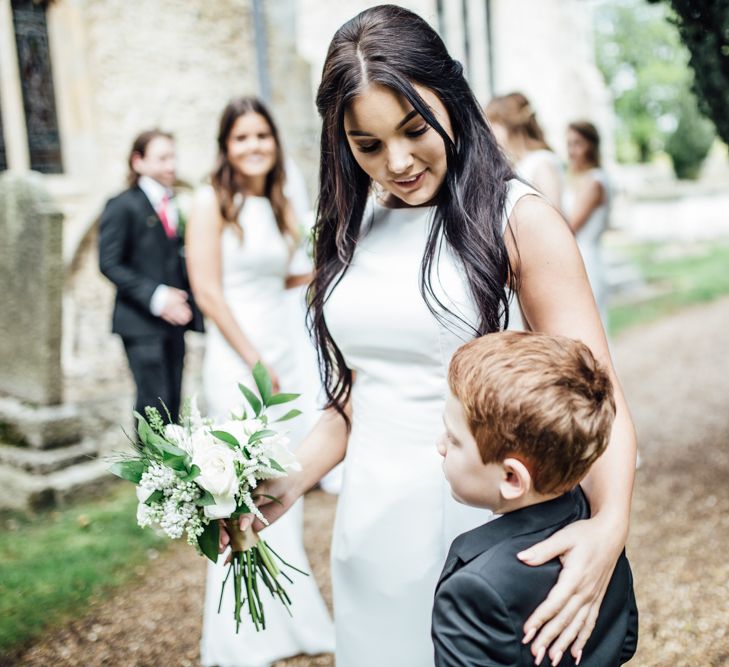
516	481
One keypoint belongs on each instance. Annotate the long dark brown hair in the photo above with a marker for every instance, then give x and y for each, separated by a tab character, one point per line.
227	185
393	47
516	114
139	147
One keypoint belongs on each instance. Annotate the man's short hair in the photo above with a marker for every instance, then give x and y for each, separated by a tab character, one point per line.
542	399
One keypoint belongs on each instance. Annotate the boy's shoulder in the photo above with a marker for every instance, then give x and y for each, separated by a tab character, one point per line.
488	553
499	570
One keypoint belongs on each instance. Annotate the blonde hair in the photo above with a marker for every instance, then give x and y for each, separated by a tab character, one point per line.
516	114
542	399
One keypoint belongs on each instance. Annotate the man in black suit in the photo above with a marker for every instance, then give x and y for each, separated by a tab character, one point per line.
526	417
141	252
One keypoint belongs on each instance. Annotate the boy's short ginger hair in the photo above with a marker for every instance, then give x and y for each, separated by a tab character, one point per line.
543	399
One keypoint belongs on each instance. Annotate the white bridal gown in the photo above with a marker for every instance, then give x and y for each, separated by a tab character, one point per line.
253	272
396	518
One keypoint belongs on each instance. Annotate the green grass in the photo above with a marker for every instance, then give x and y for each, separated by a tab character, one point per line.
685	274
52	564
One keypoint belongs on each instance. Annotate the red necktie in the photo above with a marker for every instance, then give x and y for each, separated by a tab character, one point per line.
162	213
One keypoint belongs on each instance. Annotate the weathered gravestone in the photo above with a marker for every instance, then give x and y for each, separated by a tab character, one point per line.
31	289
43	458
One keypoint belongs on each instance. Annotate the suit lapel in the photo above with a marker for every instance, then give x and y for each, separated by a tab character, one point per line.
530	519
147	212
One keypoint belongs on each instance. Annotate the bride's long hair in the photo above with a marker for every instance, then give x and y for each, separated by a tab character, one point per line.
393	47
226	183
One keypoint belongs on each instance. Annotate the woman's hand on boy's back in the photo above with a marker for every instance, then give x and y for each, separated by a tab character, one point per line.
588	551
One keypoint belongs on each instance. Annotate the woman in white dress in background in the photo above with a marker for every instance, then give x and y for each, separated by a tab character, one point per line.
241	238
586	204
515	126
453	247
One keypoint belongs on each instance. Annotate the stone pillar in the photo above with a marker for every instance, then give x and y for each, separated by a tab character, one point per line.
31	276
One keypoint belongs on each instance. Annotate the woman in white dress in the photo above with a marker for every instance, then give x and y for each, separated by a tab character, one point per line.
454	247
516	128
240	241
586	203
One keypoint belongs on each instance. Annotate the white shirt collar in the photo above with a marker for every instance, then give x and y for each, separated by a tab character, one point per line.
154	190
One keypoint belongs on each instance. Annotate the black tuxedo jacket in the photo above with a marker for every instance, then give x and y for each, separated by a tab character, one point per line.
485	594
136	254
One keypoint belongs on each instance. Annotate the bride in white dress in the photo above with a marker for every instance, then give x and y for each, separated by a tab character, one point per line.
240	242
399	115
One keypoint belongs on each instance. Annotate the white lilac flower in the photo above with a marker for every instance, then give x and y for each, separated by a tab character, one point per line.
145	515
157	477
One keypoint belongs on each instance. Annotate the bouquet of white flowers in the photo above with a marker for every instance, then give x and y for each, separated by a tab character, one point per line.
192	474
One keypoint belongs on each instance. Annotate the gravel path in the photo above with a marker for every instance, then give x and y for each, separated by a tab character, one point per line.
676	376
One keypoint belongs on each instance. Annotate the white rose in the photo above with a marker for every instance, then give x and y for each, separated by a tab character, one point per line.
179	436
222	509
202	439
277	448
217	468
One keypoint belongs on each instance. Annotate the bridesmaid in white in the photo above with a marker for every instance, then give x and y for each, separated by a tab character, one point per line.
452	245
240	241
516	128
586	203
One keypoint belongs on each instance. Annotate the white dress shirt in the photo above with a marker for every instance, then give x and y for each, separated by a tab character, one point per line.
155	192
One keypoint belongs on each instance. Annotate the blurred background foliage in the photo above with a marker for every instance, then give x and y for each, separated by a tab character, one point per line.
641	53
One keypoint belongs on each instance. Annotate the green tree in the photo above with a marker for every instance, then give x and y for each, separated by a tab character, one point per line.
704	29
644	63
691	141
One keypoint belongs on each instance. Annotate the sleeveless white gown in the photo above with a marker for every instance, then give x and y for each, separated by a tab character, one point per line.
533	161
253	272
589	238
396	518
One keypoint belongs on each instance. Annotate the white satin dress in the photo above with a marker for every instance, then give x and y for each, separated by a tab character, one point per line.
396	518
253	273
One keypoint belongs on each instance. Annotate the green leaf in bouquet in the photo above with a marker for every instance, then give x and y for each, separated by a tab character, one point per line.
226	438
153	441
278	399
251	398
169	449
206	499
178	463
263	382
131	470
289	415
209	540
155	497
276	466
242	508
259	435
192	474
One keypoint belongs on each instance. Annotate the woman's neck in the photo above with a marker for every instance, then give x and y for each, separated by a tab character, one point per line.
251	186
582	168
